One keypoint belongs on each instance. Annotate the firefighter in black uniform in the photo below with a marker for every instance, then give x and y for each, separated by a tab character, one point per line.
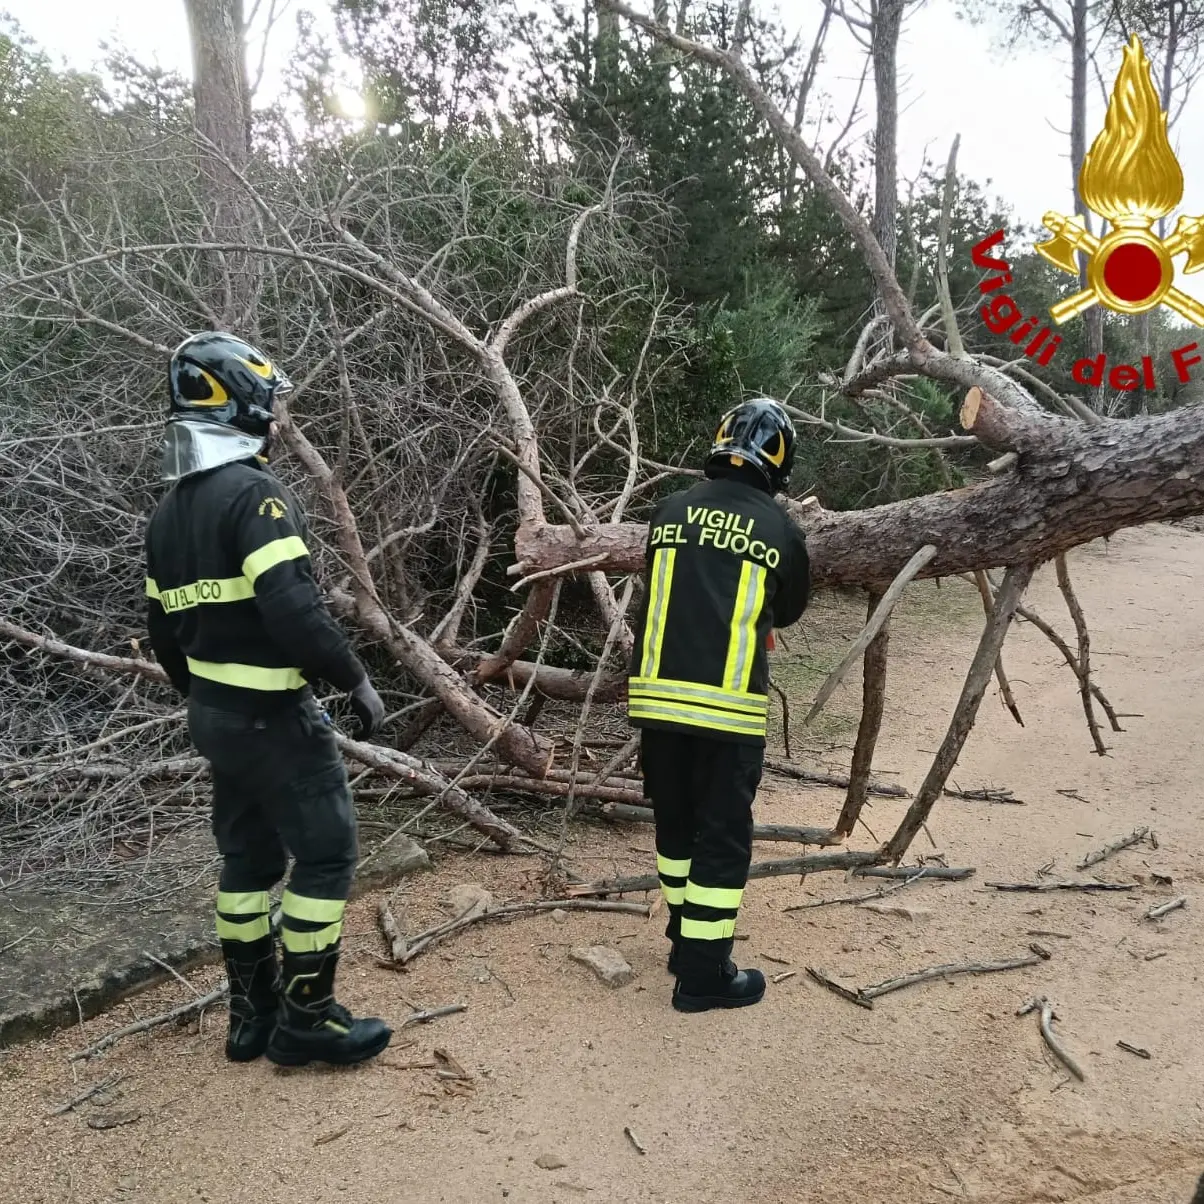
240	627
725	565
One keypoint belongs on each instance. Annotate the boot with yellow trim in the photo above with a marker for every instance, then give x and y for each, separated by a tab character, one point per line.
249	950
311	1026
708	978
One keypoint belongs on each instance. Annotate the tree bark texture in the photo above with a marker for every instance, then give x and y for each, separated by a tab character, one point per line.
1072	483
220	94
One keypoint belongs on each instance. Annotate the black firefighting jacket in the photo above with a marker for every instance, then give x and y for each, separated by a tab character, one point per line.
725	565
233	612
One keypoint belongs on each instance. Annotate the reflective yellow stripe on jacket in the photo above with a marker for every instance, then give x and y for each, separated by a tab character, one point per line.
696	705
660	582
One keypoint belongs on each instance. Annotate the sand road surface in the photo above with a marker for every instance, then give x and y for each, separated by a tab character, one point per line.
940	1093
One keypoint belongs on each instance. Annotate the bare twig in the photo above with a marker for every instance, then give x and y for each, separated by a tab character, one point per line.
182	1012
853	996
909	980
424	940
1134	837
392	934
1043	887
1084	658
1134	1049
96	1088
876	894
428	1014
1156	913
785	769
1046	1017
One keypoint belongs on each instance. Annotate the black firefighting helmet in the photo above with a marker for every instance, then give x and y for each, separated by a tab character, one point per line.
759	433
218	377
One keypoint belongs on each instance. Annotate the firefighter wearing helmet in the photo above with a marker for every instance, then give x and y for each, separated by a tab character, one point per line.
724	566
239	625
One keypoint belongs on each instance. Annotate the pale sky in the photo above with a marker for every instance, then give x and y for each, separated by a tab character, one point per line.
1012	111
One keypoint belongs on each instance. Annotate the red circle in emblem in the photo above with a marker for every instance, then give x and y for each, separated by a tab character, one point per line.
1133	272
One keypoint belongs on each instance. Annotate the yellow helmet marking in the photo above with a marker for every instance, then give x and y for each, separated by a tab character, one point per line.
777	458
218	396
266	370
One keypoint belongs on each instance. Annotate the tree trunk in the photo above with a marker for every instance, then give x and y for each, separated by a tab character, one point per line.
1073	483
1094	318
884	48
888	21
222	106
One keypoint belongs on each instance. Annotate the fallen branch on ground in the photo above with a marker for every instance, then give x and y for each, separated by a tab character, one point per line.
816	863
428	1014
837	989
392	934
426	780
1135	1049
1135	837
947	873
986	794
645	815
1042	887
424	940
876	894
96	1088
1084	658
910	980
181	1013
1156	913
785	769
1046	1017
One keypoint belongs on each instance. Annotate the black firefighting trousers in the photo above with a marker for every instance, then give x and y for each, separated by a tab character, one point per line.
702	792
279	788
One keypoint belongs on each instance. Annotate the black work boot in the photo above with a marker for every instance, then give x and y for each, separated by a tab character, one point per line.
707	978
254	981
311	1026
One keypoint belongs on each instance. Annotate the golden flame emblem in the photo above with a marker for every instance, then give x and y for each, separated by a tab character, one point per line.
1131	177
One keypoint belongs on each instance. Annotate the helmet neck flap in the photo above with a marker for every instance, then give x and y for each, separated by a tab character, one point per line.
193	445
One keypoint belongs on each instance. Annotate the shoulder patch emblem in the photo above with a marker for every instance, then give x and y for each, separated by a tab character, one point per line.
273	506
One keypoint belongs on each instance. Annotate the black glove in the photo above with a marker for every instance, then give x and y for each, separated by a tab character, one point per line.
368	708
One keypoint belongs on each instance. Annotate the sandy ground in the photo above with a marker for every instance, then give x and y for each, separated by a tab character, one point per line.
940	1093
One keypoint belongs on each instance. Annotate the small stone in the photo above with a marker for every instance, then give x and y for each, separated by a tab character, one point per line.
559	915
110	1120
608	964
550	1162
468	900
399	857
897	909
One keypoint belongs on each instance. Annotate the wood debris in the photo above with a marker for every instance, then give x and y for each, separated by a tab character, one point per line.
84	1096
947	971
785	974
334	1135
635	1141
1134	837
112	1120
449	1068
1135	1049
851	994
1048	886
1046	1017
428	1014
392	934
1156	913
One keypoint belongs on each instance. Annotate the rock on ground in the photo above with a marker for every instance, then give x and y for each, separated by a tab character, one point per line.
468	900
607	963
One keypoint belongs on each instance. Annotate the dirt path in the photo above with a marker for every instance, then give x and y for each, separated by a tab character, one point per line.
940	1093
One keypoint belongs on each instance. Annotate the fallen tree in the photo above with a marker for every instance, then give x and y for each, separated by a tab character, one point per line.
425	392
